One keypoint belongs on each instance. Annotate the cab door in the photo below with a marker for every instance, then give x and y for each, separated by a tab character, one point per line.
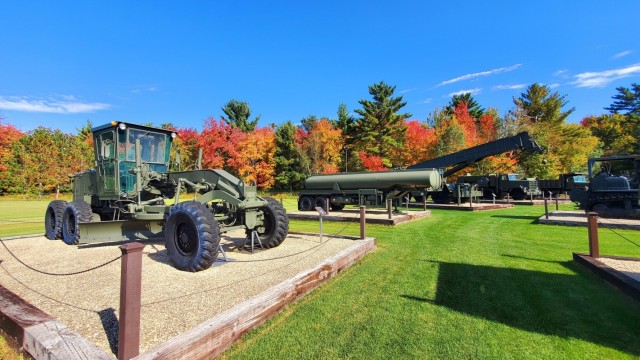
106	159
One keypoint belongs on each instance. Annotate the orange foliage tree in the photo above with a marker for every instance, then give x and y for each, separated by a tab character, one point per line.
256	159
321	147
8	134
419	144
372	162
220	145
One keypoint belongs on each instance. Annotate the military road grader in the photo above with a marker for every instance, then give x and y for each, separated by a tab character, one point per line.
131	195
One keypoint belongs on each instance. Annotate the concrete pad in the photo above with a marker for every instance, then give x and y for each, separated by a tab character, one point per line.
373	216
469	207
579	218
173	301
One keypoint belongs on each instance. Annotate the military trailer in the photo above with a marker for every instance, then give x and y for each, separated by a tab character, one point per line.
501	185
614	183
564	184
365	188
131	195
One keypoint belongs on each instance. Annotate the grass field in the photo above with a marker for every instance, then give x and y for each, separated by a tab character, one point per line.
489	284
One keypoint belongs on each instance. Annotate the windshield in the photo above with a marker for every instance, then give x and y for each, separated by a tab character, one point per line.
580	179
153	146
513	176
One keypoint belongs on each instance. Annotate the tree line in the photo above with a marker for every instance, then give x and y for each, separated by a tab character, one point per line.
379	137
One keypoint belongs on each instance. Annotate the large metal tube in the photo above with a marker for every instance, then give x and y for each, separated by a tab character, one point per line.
382	180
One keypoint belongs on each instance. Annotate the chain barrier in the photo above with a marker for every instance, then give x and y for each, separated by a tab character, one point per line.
329	237
615	232
56	274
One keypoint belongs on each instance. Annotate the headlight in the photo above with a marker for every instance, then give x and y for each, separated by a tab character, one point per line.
122	126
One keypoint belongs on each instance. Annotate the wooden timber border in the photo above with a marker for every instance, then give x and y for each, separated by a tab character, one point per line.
213	337
616	278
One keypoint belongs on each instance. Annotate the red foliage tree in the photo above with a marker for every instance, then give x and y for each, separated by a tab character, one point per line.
372	162
8	134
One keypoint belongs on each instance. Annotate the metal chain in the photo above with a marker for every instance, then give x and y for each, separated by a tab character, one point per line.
617	233
56	274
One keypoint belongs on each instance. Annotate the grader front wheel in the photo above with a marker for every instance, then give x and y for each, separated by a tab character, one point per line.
74	214
192	236
276	224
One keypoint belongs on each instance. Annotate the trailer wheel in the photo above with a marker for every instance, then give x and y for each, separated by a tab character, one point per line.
321	202
75	213
276	224
191	236
336	207
53	219
305	204
518	194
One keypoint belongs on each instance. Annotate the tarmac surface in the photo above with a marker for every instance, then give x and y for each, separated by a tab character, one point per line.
579	218
173	301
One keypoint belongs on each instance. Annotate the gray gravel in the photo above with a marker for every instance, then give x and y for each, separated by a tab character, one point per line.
630	268
173	301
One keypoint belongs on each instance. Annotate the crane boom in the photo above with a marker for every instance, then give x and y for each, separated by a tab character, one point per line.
463	158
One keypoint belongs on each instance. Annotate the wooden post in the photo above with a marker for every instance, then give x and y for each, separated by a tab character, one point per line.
546	209
592	225
557	201
424	202
389	206
363	222
130	291
327	205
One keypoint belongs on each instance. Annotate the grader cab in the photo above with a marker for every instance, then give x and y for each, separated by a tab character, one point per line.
131	195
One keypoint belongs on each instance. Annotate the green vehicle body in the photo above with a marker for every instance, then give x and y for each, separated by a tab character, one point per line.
503	185
131	195
614	187
364	188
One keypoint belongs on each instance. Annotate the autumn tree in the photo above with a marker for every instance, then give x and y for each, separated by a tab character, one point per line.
289	174
475	110
8	135
541	113
322	145
255	162
220	145
379	129
346	124
43	160
185	148
237	115
419	144
615	131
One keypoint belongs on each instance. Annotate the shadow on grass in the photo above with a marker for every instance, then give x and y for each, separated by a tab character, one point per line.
568	306
533	218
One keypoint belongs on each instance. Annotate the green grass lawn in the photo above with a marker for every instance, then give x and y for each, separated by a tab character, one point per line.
461	285
455	285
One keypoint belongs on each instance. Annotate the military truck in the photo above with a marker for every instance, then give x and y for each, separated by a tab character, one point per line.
131	195
502	185
564	184
614	183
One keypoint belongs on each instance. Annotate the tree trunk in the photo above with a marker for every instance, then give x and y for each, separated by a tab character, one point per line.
57	191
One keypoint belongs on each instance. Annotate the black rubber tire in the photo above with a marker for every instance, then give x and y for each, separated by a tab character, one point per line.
305	204
192	236
320	202
74	214
418	199
53	219
276	224
336	207
517	194
441	197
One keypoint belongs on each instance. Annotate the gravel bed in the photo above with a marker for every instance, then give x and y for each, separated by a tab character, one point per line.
173	301
630	268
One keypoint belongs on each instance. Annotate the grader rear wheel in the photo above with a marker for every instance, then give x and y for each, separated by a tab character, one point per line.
53	219
75	213
192	236
276	224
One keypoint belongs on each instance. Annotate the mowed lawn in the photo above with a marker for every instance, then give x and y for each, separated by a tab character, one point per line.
491	284
461	285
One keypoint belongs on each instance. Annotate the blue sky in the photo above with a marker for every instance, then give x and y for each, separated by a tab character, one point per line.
64	62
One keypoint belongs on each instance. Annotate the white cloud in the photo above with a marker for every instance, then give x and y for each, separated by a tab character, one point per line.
470	91
561	73
509	87
602	78
479	74
408	90
621	54
427	101
65	105
553	86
